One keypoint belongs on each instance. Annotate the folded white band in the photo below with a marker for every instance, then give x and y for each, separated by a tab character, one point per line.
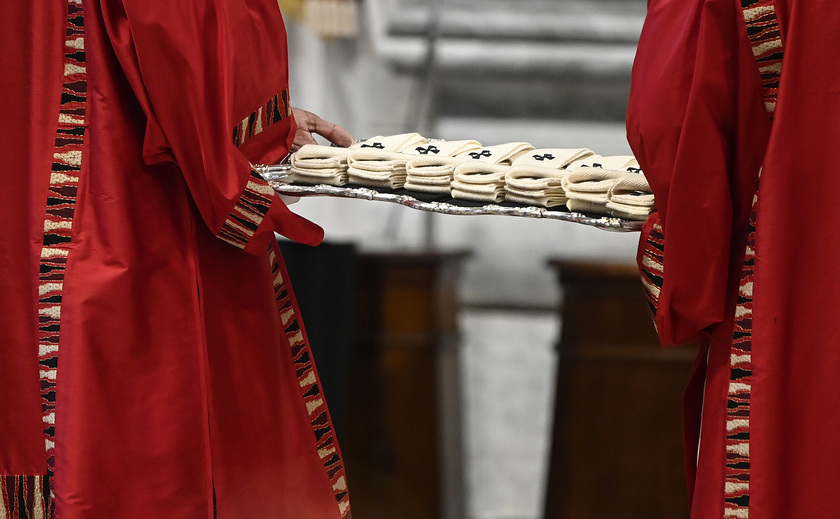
478	188
333	177
632	191
392	180
613	162
628	211
319	152
377	156
498	154
556	158
429	181
403	141
535	177
475	172
544	201
435	166
585	206
534	193
636	199
442	189
630	183
446	148
425	165
591	180
488	196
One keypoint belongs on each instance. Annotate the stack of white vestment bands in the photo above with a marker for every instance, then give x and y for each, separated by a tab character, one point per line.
432	171
536	177
608	185
380	162
316	164
514	172
482	178
377	162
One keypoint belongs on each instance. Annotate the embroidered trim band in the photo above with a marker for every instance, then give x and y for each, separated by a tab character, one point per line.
22	497
277	108
653	267
242	223
737	475
310	389
61	205
768	50
766	39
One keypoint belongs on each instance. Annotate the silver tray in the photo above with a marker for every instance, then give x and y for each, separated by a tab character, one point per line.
279	178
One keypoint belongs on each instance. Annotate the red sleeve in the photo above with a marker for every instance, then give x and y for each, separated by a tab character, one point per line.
695	122
212	78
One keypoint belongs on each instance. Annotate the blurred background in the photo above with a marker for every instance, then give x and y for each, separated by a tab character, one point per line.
438	335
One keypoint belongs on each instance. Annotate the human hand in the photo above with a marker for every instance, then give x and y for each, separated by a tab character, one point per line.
309	124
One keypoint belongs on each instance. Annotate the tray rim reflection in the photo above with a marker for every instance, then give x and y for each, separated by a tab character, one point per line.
280	178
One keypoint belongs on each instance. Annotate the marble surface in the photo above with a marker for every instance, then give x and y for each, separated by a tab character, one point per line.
508	369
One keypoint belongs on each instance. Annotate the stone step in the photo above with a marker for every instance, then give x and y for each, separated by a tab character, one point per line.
559	21
524	96
546	38
520	58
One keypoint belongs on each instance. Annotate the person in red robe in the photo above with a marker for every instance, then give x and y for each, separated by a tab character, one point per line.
734	118
152	358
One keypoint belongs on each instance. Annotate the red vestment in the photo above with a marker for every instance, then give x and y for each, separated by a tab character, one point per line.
764	406
153	362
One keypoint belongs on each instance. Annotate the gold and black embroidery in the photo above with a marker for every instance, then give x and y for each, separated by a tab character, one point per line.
33	496
765	37
275	109
248	213
58	225
310	389
653	268
766	40
22	497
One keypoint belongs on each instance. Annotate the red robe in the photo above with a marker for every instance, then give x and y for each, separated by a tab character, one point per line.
754	282
152	359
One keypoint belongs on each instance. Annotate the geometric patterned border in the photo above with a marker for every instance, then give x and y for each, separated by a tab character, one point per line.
768	50
274	110
653	268
737	473
253	204
311	390
22	497
61	205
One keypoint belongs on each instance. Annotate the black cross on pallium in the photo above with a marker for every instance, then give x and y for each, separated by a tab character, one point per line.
377	145
425	151
634	170
547	156
483	153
